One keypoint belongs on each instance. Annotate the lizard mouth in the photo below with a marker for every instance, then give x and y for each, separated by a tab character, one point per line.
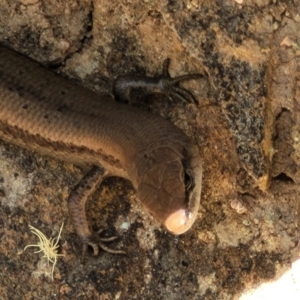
180	221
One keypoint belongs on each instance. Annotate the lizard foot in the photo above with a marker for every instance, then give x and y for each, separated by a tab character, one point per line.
170	85
96	242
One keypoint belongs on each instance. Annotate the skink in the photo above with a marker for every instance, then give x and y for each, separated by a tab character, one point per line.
51	115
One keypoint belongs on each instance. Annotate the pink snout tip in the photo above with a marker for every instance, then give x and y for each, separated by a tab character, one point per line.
180	221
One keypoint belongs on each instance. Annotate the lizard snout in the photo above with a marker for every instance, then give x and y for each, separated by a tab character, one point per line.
180	221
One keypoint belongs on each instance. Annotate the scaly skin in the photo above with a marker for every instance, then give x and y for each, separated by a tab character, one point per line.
48	114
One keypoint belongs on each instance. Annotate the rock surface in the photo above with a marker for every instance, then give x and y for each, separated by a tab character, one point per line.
247	128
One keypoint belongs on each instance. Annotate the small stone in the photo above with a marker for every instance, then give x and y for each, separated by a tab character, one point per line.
125	226
255	221
275	25
246	223
67	11
207	237
238	206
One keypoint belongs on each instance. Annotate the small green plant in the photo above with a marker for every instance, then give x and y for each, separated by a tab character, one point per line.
47	246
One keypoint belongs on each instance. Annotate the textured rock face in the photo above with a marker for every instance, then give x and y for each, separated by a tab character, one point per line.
247	128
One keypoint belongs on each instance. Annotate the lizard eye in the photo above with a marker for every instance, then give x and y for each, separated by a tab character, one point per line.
188	180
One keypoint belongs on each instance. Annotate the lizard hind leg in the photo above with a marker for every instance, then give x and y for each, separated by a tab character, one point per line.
77	209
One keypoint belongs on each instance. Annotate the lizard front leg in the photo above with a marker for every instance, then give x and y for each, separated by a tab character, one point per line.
163	84
77	209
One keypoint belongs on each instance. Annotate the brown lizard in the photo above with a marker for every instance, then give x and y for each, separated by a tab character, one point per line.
51	115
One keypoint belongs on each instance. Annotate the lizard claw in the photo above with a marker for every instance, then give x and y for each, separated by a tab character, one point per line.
170	87
97	242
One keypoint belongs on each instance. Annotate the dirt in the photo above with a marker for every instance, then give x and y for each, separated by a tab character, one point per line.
247	127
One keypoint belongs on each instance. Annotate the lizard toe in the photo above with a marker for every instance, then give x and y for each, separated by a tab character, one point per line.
97	242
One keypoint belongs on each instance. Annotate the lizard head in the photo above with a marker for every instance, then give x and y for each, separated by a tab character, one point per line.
170	185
